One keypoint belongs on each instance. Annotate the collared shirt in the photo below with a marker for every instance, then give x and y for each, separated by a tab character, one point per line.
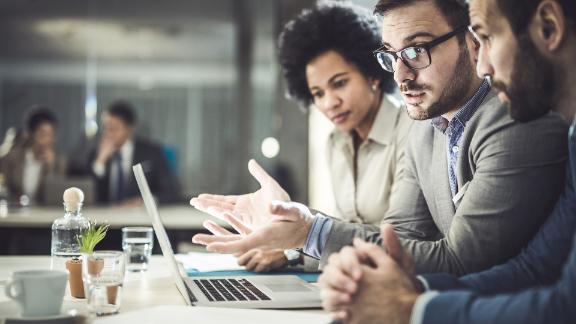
126	152
454	129
316	240
32	174
362	195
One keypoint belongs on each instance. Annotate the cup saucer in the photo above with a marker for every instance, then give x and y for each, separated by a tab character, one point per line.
60	318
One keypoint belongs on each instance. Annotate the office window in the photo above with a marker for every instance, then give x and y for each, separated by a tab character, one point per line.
202	75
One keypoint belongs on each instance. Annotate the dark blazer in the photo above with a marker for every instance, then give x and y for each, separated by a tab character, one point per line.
161	179
509	177
547	266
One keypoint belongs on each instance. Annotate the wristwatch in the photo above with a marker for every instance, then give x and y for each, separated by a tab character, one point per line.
293	257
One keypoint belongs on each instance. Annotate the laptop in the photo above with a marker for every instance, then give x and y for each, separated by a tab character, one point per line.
55	185
258	291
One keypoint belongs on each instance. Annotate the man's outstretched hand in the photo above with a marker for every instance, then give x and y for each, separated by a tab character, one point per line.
287	228
252	209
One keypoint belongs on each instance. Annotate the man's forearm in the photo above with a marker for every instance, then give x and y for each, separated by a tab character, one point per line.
541	262
552	304
342	234
543	305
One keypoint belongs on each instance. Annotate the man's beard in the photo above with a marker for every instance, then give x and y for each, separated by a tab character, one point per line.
532	83
453	94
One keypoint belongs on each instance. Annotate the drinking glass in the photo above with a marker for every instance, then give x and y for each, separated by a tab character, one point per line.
103	275
137	243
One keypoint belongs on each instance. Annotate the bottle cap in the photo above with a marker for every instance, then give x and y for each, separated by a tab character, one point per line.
73	199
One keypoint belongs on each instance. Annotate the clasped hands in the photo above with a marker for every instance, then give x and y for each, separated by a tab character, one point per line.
366	283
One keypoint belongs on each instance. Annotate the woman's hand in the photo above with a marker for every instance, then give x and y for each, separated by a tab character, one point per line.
259	260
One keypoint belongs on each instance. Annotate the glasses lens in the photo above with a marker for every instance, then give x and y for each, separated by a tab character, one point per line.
386	60
416	57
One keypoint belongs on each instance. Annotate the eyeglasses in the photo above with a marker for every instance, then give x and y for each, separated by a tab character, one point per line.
415	57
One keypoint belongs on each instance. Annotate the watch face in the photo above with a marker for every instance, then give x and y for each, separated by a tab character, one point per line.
291	255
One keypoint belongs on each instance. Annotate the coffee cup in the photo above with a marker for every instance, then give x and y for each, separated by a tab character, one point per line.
37	292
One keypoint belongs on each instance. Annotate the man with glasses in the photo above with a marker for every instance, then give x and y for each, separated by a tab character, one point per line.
476	185
530	53
414	57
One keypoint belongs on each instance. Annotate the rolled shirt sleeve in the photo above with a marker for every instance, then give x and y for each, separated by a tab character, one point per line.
317	236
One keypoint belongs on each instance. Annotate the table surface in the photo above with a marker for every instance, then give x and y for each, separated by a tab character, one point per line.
142	290
173	217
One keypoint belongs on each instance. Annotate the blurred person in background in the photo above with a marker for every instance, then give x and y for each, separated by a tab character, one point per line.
33	157
118	149
327	62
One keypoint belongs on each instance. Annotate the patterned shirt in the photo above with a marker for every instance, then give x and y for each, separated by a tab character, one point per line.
455	128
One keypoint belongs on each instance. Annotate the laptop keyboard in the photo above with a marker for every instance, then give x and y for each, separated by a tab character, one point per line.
229	290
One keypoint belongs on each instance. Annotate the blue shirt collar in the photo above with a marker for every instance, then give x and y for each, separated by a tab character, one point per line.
466	112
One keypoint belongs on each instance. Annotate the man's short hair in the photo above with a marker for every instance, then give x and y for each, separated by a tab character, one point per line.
37	116
455	11
124	110
520	14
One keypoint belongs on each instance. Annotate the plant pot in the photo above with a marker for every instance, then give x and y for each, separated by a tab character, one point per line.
74	267
95	266
112	294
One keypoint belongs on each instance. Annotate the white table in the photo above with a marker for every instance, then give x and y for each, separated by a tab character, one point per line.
141	290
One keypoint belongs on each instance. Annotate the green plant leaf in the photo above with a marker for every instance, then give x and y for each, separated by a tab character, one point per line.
92	236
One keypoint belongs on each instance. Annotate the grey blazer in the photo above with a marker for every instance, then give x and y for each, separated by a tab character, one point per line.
509	177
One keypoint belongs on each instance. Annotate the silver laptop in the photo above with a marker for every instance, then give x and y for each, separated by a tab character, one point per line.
257	291
55	185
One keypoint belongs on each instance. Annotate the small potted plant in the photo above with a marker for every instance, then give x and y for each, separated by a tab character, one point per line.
87	241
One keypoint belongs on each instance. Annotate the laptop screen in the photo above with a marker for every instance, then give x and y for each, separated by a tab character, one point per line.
163	240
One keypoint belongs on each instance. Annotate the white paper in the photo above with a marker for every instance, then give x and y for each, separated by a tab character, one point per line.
205	262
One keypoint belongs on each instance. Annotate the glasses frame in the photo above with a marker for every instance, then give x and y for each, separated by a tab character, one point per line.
426	46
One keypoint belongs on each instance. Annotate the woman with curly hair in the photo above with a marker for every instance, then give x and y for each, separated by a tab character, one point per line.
326	59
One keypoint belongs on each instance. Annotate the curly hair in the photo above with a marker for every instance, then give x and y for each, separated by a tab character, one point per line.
350	30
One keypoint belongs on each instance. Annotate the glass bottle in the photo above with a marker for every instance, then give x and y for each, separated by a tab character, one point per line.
67	229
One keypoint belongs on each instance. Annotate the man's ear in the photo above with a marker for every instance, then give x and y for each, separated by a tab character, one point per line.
548	26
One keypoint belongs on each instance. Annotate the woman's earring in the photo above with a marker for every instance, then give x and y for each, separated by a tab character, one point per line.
374	87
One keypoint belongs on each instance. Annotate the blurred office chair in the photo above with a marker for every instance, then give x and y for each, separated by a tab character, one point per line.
171	154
